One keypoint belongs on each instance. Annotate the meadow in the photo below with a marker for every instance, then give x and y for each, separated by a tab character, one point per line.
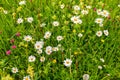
59	40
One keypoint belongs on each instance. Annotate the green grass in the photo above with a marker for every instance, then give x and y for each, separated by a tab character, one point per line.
89	48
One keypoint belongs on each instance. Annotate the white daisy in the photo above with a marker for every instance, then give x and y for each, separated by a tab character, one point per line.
76	7
108	74
59	45
67	62
76	20
14	70
102	60
27	38
26	78
84	12
42	25
118	5
20	20
99	33
55	23
106	32
99	67
86	77
39	51
80	35
101	25
62	6
30	19
99	12
48	50
55	48
88	7
31	58
105	13
39	45
99	20
47	35
42	59
59	38
22	2
5	11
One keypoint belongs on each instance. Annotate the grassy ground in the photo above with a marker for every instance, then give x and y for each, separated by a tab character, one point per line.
85	52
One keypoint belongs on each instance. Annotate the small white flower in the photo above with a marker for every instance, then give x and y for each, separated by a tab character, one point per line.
26	78
42	59
67	62
27	38
76	7
104	65
20	20
106	32
99	33
80	35
59	45
105	13
108	74
118	5
99	20
86	77
22	2
47	35
39	44
30	19
99	12
79	21
39	51
76	20
62	6
59	38
55	48
55	23
31	58
99	67
48	50
14	70
101	25
5	12
88	7
102	60
84	12
42	25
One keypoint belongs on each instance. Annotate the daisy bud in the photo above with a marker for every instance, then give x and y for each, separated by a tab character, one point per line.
85	77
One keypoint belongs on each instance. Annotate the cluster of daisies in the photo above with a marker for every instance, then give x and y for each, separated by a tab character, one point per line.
28	19
102	13
76	9
38	45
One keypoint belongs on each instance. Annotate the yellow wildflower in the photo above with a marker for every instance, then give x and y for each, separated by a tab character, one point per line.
75	53
102	40
30	71
8	77
83	31
54	61
19	9
74	31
